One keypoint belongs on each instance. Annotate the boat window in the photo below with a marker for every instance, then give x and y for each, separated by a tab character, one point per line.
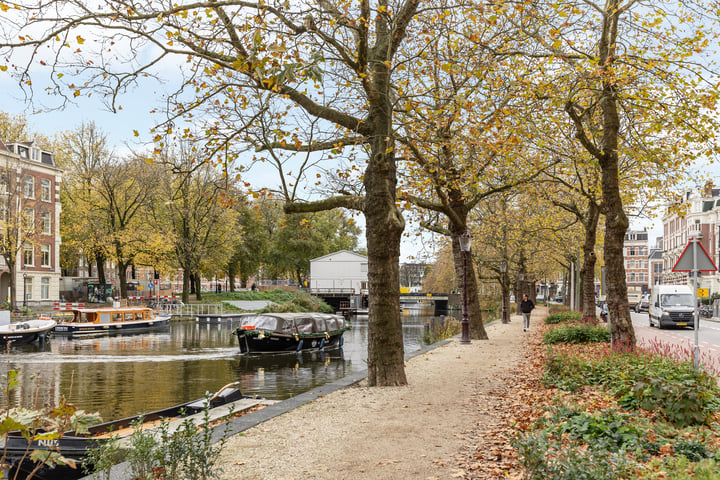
332	323
261	322
320	324
105	317
128	316
304	325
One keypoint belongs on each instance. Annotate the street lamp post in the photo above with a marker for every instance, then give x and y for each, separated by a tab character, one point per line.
24	289
503	270
465	244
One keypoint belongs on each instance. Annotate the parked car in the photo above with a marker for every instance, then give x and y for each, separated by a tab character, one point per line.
643	305
604	312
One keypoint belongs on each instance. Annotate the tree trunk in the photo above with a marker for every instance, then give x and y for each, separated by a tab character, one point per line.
505	292
100	265
384	227
198	287
122	277
13	284
475	320
186	289
616	222
589	260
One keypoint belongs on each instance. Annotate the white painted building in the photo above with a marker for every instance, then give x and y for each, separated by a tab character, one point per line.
337	272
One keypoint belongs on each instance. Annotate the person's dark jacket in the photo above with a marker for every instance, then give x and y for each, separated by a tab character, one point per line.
526	306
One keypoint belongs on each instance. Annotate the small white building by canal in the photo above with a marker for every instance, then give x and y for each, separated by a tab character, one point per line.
342	271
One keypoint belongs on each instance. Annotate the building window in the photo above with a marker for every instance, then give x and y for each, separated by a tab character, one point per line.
632	251
46	223
29	186
3	213
632	278
28	254
28	288
29	217
45	190
44	288
641	277
45	253
4	183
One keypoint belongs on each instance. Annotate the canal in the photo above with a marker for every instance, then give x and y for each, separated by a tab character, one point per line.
121	376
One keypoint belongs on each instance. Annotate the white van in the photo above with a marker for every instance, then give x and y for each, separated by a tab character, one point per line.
672	306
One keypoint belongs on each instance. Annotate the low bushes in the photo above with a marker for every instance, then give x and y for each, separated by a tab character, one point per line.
622	415
563	317
578	333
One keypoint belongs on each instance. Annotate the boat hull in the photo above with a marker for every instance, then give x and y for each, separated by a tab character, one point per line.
22	333
269	342
77	329
76	447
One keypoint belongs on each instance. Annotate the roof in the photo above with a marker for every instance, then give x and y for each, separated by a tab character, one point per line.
330	256
656	254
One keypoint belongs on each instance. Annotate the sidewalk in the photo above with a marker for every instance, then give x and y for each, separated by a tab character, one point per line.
419	431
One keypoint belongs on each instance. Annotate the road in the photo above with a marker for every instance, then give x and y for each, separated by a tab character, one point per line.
681	341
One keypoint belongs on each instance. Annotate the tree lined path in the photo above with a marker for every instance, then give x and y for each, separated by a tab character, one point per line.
446	423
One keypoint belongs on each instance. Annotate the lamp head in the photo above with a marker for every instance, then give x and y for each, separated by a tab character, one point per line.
465	242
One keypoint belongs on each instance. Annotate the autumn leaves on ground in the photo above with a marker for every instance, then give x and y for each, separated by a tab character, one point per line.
577	410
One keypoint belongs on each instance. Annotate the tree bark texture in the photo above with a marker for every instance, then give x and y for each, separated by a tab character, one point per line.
587	270
384	227
616	222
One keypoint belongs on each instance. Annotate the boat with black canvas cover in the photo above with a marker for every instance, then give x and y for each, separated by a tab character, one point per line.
290	332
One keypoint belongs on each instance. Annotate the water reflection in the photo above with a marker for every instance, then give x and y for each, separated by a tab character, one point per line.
125	375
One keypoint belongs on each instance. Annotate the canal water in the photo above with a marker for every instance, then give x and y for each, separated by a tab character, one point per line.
121	376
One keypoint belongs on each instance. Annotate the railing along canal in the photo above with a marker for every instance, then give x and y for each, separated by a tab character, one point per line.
190	310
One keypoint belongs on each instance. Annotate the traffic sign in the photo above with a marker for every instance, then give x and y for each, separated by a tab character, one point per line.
703	292
694	252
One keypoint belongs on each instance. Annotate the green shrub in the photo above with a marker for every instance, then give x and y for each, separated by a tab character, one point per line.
580	333
567	372
638	380
680	468
545	457
563	317
684	400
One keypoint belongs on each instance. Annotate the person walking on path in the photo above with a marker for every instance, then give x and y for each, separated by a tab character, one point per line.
526	307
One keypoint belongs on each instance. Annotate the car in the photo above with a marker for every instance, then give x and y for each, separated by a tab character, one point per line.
642	306
604	312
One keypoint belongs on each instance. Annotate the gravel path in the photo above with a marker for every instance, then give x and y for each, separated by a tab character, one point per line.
411	432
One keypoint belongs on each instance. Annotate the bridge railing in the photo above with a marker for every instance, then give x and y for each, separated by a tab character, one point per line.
190	310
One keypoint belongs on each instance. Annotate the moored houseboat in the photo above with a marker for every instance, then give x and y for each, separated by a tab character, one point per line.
290	332
111	320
